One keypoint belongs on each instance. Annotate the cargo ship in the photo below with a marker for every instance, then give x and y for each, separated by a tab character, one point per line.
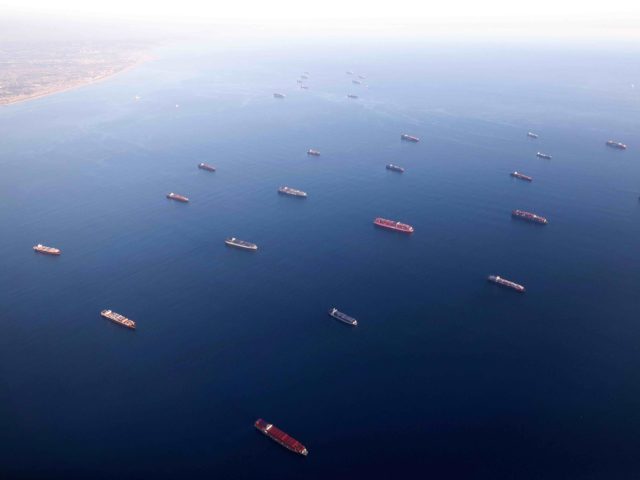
532	135
506	283
292	191
618	145
351	95
46	250
343	317
274	433
395	168
119	319
409	138
532	217
543	155
313	152
179	198
393	225
207	167
279	95
522	176
304	87
361	77
304	77
357	82
236	242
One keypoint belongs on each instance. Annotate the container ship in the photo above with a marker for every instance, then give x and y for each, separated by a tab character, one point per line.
522	176
351	95
393	225
279	95
343	317
179	198
532	217
506	283
119	319
532	135
313	152
274	433
618	145
409	138
236	242
207	167
543	155
395	168
292	191
46	250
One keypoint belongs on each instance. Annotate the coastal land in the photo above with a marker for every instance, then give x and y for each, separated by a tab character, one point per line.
34	70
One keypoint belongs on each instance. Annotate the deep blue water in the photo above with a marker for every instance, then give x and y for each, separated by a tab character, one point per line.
447	376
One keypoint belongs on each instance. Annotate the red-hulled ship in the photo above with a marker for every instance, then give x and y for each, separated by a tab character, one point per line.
393	225
532	217
506	283
207	167
279	436
46	250
522	176
409	138
179	198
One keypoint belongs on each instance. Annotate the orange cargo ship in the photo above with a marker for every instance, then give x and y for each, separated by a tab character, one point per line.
46	250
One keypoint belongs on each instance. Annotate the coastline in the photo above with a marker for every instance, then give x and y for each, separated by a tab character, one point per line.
35	96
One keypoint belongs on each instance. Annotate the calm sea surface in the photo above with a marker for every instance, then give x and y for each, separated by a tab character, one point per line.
446	376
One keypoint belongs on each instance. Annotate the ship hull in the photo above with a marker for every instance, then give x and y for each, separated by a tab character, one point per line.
341	317
242	246
391	225
278	436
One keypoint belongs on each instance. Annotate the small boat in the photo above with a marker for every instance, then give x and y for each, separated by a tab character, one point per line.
236	242
46	250
344	318
179	198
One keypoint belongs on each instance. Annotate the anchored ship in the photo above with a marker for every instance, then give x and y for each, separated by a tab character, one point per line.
522	176
279	95
409	138
506	283
532	135
119	319
395	168
179	198
343	317
46	250
292	191
543	155
351	95
618	145
313	152
532	217
274	433
236	242
393	225
207	167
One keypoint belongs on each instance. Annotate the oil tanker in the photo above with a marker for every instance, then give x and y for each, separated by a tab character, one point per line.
207	167
546	156
274	433
393	225
292	191
395	168
343	317
313	152
506	283
409	138
532	217
119	319
236	242
179	198
618	145
522	176
46	250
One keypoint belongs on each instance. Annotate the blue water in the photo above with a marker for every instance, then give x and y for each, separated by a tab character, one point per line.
446	376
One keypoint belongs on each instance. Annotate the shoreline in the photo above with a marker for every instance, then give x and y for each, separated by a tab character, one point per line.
35	96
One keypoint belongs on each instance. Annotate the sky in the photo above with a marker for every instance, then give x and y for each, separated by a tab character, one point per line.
614	17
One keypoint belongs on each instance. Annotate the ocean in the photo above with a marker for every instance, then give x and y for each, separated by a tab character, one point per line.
446	376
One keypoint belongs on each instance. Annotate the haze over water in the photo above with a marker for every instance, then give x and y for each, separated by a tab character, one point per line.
446	374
